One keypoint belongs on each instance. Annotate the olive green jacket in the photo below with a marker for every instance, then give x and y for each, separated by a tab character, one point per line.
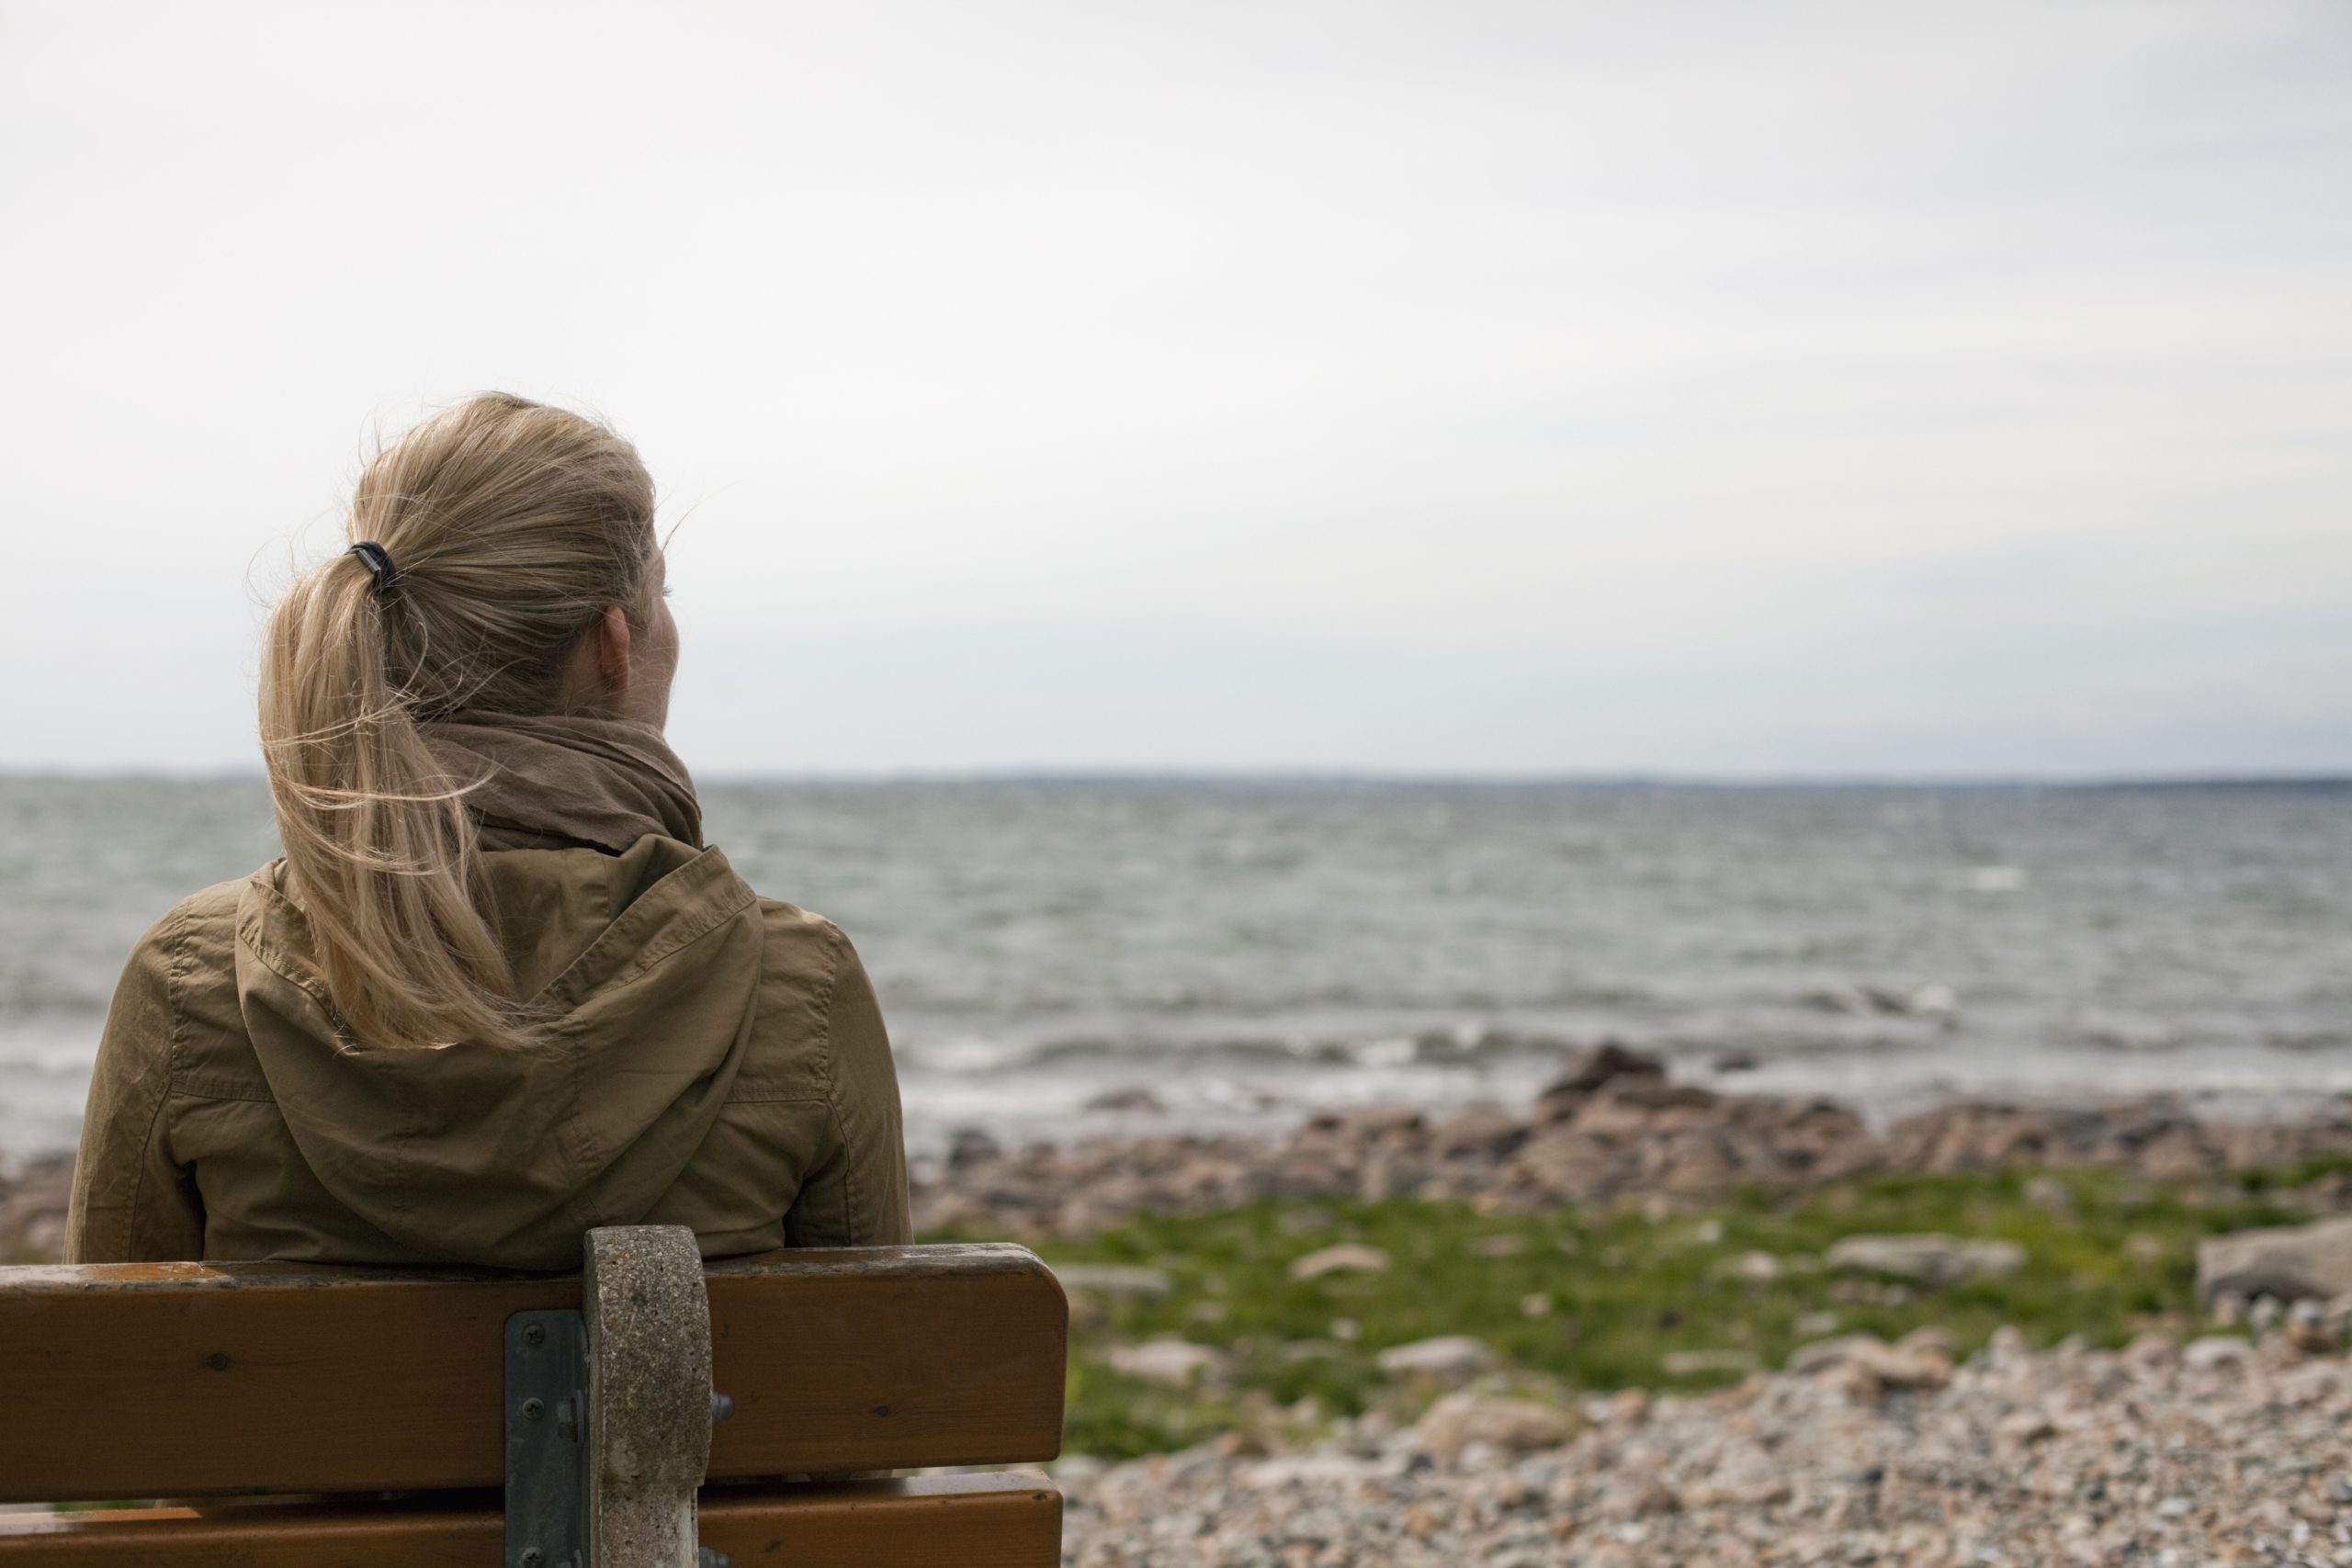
713	1059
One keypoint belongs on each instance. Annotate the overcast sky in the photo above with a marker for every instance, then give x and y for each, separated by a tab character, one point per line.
1743	390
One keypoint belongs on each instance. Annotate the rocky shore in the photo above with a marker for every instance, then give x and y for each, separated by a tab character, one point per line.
1612	1126
32	1209
2211	1451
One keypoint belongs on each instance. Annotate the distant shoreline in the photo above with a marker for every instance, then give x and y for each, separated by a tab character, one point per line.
1313	778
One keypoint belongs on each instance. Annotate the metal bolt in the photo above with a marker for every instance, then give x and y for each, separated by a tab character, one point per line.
535	1333
531	1557
721	1407
533	1409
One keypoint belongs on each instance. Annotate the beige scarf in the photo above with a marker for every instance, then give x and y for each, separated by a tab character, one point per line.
559	781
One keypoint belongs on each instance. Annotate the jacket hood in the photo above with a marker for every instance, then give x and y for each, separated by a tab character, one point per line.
646	965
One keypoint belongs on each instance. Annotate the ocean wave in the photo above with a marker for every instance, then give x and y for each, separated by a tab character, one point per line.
971	1056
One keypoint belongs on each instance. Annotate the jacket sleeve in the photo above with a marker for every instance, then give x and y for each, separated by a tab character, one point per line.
131	1203
857	1197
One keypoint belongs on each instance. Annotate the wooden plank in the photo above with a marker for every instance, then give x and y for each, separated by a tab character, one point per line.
188	1380
1005	1519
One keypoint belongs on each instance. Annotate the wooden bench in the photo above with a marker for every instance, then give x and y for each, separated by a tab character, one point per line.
303	1415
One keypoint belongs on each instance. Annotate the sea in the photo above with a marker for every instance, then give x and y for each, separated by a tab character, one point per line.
1059	959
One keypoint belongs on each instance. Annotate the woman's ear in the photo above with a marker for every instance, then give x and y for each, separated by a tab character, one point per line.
611	639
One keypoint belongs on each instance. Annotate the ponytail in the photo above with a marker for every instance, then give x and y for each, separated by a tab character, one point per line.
508	526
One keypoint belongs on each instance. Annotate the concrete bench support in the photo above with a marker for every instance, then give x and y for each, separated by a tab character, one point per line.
649	1403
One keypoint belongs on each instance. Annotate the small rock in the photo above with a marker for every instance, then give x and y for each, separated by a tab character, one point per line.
1875	1368
1823	1354
2308	1328
2289	1261
1642	1498
1482	1130
1347	1258
1448	1358
1587	1069
1702	1364
2024	1427
1514	1426
1933	1338
1626	1407
1927	1258
1242	1444
1112	1279
971	1146
1177	1363
2215	1352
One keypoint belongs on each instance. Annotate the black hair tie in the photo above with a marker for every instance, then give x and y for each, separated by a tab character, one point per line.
380	564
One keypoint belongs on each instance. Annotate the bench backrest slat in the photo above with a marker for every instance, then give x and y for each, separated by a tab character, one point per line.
196	1379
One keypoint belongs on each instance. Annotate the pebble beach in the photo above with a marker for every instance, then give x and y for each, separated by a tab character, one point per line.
2211	1451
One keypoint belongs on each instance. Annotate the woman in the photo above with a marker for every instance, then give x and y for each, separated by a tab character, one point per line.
497	992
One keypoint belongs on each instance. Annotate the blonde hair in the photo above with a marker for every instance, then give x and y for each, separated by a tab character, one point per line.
510	527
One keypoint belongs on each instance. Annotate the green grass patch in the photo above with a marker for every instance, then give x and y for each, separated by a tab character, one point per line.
1617	1290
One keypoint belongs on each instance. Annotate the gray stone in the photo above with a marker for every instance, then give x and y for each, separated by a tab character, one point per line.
1448	1358
1347	1258
1513	1426
1928	1258
1594	1066
2291	1262
1114	1279
971	1146
1177	1363
1823	1354
1757	1268
1481	1131
2214	1352
1699	1363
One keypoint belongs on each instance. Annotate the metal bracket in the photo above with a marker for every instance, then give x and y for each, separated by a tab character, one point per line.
609	1410
547	1441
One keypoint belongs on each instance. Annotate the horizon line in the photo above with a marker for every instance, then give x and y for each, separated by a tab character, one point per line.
1596	779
